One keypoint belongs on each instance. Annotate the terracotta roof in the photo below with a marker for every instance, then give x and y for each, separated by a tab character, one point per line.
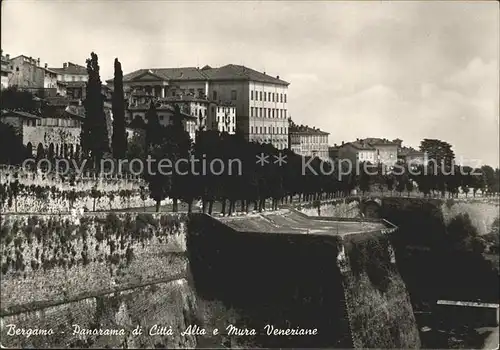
187	73
375	141
71	69
237	72
227	72
145	107
21	114
361	145
306	130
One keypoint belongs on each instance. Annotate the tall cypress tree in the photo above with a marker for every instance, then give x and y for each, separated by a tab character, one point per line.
153	127
94	134
119	141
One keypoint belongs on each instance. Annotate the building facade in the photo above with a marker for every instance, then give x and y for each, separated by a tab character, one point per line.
387	151
72	79
136	117
26	73
260	101
357	152
55	136
222	117
308	141
6	70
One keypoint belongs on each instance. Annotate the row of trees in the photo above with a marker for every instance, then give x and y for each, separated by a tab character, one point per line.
242	179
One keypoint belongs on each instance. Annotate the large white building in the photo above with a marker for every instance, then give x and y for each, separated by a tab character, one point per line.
259	100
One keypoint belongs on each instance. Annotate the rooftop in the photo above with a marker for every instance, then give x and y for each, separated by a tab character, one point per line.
294	222
305	129
361	145
376	141
20	114
227	72
70	68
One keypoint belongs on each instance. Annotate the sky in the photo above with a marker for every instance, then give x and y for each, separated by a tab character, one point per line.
399	69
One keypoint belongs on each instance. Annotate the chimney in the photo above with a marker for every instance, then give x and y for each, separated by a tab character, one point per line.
7	57
342	143
65	65
277	77
46	66
264	73
38	61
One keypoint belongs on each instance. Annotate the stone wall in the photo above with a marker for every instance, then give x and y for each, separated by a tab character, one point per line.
300	281
109	187
50	259
27	203
339	208
166	304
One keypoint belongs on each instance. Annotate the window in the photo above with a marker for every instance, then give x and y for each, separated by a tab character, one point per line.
281	113
233	95
265	96
251	95
218	109
285	98
281	98
273	96
213	110
214	94
260	112
284	113
260	94
251	129
251	111
269	112
265	130
269	95
261	130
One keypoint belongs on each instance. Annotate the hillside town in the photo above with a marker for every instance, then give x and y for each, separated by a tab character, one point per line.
179	174
226	99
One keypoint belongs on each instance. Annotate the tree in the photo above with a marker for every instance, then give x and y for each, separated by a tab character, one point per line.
389	181
119	141
12	149
364	178
18	100
94	134
439	152
153	127
463	236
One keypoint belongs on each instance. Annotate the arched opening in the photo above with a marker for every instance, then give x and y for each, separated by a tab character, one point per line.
51	151
71	150
77	152
29	148
40	152
65	151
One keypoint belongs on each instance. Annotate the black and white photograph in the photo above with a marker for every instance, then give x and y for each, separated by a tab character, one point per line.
249	174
